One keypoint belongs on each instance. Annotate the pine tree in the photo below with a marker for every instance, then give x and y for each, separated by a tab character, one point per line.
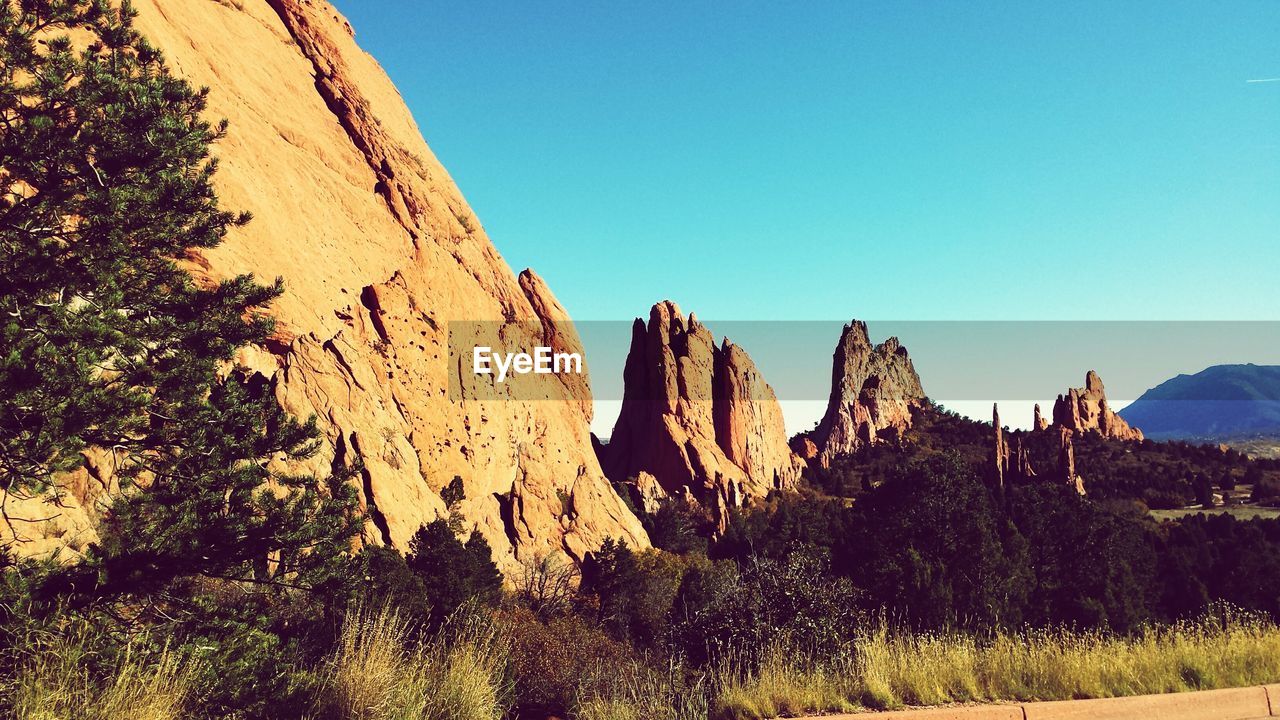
105	184
452	572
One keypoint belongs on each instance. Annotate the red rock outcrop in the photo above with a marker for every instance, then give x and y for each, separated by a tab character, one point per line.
380	253
1039	421
874	390
1085	410
804	446
1001	455
696	416
1012	460
749	423
1067	462
1022	460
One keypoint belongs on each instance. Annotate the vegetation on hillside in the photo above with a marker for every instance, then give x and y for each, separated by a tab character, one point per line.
1216	404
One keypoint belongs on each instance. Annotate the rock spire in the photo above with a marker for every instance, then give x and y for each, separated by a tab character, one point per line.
874	390
698	417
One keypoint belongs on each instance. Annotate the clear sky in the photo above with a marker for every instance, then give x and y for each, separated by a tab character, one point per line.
891	160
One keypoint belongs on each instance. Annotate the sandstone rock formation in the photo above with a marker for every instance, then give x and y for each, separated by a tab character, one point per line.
645	492
380	253
1012	462
1039	422
696	416
1022	460
874	390
1001	455
1067	462
804	446
1085	410
749	423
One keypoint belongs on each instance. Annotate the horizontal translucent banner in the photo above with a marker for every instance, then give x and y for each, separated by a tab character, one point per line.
957	361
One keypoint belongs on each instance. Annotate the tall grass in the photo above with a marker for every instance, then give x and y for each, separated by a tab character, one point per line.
783	683
633	690
888	670
383	670
55	683
379	672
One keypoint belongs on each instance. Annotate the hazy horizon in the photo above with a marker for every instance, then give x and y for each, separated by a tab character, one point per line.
1020	161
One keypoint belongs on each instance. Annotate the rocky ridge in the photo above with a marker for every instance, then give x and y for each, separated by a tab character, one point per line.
874	389
1012	460
697	417
379	253
1085	409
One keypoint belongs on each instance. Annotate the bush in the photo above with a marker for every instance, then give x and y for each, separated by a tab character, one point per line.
1266	490
722	612
546	585
1091	567
550	659
383	576
634	591
933	545
250	653
1163	499
679	527
452	572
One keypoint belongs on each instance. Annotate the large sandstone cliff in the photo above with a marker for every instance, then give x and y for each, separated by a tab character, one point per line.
697	417
1085	410
874	389
379	252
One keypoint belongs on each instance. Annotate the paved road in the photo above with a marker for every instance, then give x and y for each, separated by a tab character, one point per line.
1251	703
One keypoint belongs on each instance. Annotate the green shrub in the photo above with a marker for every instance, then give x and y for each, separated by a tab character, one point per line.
452	572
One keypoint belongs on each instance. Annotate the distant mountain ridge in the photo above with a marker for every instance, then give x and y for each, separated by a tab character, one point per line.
1221	402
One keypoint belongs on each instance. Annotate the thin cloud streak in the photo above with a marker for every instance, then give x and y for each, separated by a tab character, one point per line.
1264	80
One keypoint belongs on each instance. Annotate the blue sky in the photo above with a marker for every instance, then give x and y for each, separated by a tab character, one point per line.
882	160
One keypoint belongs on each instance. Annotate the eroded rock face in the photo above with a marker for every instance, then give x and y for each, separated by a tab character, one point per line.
1039	421
697	417
874	390
749	423
1085	410
1067	462
379	253
804	446
645	492
1011	458
1001	455
1022	460
62	524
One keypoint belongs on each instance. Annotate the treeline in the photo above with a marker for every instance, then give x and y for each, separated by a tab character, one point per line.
933	547
1160	474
